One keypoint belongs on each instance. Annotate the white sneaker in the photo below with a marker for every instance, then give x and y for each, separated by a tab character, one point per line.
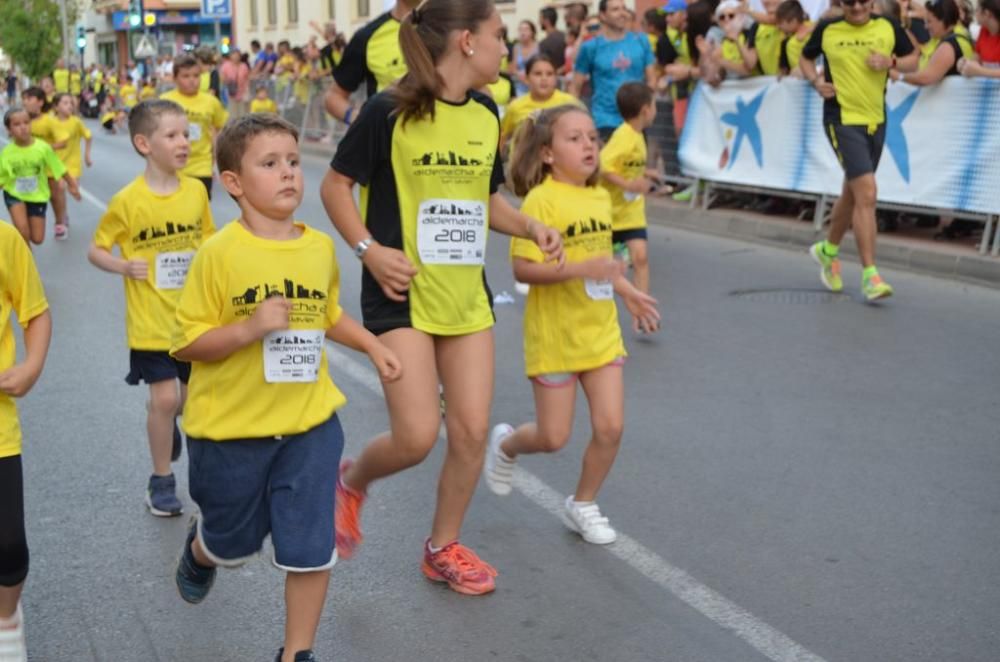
586	519
498	470
521	288
12	647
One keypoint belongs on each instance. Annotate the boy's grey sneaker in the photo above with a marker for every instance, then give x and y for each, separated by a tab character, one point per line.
301	656
193	581
175	452
161	497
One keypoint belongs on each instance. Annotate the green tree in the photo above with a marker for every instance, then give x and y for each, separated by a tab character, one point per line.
30	34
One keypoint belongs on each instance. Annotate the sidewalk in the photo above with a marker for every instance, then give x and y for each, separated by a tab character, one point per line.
914	250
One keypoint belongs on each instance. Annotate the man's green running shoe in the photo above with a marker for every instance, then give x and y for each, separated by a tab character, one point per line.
829	271
685	195
874	288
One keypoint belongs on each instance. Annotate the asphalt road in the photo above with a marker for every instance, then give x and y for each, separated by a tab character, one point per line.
802	478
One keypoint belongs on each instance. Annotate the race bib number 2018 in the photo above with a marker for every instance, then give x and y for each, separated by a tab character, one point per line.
293	355
172	269
452	232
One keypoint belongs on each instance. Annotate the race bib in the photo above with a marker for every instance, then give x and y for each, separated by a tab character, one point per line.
172	269
599	290
194	132
293	356
26	184
452	232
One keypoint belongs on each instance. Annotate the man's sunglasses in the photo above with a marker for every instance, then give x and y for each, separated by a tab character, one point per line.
593	27
727	17
851	3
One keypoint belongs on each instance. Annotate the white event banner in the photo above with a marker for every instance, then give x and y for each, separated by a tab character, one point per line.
942	147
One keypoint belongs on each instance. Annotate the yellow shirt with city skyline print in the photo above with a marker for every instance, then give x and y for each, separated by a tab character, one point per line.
625	156
571	326
277	386
21	293
205	116
165	231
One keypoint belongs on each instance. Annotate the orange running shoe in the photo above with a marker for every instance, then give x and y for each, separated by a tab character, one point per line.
460	568
347	515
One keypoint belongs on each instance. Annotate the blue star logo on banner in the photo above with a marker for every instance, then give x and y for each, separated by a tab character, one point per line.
895	138
745	122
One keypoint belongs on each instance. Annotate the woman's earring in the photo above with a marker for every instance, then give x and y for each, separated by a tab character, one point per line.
471	52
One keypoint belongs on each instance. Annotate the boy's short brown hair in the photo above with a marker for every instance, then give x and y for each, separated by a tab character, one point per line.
144	118
235	137
185	61
632	98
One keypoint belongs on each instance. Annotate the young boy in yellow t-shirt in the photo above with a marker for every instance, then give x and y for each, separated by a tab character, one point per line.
262	103
157	222
205	114
625	175
21	293
263	433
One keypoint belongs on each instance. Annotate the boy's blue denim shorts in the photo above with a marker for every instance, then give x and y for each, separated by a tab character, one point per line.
284	487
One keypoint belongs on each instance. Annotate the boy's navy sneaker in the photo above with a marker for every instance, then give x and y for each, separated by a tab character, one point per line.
161	497
175	452
193	581
301	656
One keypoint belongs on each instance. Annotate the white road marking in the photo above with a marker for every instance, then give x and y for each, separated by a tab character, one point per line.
765	639
768	641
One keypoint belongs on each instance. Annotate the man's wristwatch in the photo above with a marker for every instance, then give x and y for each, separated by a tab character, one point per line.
362	247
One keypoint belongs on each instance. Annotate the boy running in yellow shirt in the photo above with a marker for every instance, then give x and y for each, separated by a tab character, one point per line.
21	293
625	175
157	222
206	117
263	432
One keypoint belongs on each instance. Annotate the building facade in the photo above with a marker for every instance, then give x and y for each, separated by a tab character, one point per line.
274	20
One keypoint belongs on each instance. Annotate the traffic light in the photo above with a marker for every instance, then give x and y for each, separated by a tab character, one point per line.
134	13
149	19
225	45
81	38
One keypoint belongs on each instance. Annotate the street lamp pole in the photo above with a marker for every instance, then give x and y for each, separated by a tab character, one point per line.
65	33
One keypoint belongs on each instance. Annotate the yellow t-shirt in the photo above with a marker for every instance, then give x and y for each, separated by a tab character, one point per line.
205	117
74	83
71	131
625	156
793	46
42	127
860	98
164	230
287	65
21	292
98	79
767	41
427	187
263	106
205	82
302	83
731	50
60	79
521	107
280	385
128	94
148	92
570	326
113	84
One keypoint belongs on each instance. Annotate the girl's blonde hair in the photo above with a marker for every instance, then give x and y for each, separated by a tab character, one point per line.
423	38
527	169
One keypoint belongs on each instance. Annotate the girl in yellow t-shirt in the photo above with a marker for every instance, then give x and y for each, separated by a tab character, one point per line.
542	93
69	130
571	330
